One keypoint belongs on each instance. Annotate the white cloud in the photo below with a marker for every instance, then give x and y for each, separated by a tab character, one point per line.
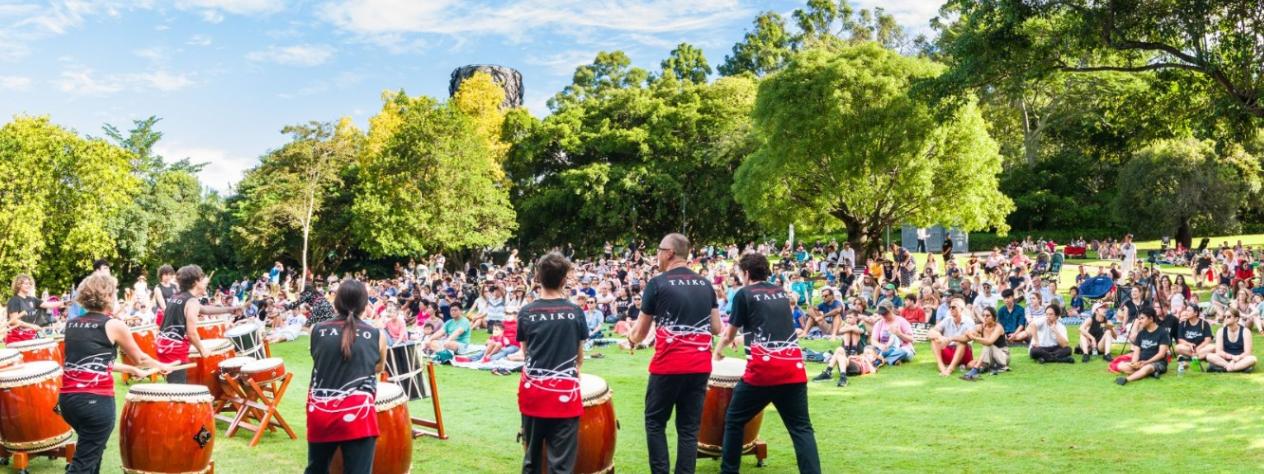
153	53
565	62
199	40
296	55
915	15
162	80
212	11
516	19
24	23
15	83
86	82
223	169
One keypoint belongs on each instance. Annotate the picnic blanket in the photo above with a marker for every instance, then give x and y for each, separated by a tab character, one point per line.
498	364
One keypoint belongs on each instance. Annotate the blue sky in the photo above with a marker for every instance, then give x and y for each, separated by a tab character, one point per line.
226	75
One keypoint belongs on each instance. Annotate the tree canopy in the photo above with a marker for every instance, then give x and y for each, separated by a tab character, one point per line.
844	144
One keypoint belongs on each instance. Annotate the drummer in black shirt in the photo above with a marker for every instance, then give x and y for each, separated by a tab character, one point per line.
774	369
1149	349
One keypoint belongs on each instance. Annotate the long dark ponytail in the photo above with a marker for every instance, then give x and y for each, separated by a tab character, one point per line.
350	301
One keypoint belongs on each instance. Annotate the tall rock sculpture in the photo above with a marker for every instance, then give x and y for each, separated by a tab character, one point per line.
508	78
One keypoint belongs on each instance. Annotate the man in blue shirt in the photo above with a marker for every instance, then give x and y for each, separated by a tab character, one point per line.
827	315
1013	318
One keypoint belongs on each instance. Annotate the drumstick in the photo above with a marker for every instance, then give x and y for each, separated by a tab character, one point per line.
183	367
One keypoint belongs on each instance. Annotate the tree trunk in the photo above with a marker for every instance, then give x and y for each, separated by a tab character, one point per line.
1185	235
865	241
307	230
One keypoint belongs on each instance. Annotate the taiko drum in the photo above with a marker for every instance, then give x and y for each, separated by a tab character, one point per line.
29	421
167	428
394	451
724	377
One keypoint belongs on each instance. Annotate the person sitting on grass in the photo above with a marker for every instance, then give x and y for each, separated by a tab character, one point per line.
852	331
950	339
1096	335
1049	338
452	338
499	346
1233	347
1013	318
1193	337
1149	352
825	316
995	353
892	337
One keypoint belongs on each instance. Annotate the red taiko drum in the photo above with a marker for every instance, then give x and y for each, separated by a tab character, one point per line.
207	371
264	371
167	428
394	451
39	349
145	337
596	426
28	400
724	376
212	328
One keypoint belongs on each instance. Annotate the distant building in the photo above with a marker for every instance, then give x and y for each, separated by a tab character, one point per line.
935	239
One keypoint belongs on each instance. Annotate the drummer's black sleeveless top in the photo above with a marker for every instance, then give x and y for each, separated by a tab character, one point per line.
167	292
173	340
89	356
340	401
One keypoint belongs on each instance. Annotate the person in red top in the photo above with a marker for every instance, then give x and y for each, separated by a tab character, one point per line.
347	354
552	331
184	310
682	308
774	367
87	386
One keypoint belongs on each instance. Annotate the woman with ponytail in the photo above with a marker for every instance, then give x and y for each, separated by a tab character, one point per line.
347	355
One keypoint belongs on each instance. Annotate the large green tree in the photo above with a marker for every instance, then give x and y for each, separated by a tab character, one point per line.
845	144
1217	41
166	205
287	193
632	161
1182	186
428	182
59	194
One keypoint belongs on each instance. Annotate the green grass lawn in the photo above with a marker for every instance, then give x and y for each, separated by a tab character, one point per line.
908	419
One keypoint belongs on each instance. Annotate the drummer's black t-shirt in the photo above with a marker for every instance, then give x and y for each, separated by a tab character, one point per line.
550	332
762	312
28	304
680	302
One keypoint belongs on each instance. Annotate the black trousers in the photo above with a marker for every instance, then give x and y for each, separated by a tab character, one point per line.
92	418
179	376
562	437
1049	354
357	456
791	401
684	393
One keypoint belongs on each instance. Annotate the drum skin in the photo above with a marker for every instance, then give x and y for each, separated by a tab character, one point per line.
145	340
163	436
27	412
255	371
711	432
596	438
394	451
247	339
